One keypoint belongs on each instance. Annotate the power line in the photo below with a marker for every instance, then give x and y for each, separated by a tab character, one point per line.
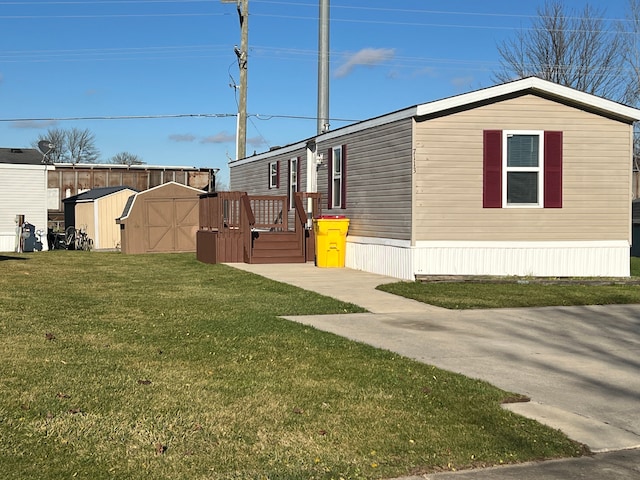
289	4
164	116
120	117
113	15
93	2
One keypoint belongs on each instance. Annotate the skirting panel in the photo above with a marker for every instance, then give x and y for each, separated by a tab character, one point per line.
537	259
390	258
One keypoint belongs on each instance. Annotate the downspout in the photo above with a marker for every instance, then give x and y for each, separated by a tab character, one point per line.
312	177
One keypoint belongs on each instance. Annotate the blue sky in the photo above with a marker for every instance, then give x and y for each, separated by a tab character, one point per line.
168	58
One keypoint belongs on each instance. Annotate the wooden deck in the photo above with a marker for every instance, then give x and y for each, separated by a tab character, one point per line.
236	227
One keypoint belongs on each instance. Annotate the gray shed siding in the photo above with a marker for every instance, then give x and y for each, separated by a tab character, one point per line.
378	176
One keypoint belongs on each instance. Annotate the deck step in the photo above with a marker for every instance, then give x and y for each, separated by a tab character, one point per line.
277	247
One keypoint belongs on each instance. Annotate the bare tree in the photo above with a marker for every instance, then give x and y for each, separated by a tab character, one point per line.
576	49
221	184
629	30
75	145
58	138
126	158
81	145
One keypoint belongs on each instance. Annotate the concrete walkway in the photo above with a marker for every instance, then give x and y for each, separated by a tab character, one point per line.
579	365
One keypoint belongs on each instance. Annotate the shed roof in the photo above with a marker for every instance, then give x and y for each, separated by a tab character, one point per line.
169	186
20	156
96	193
127	207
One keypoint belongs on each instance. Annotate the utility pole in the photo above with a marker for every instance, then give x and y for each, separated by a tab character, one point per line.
323	68
243	54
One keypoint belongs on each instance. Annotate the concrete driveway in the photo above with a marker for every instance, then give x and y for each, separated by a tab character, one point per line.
579	365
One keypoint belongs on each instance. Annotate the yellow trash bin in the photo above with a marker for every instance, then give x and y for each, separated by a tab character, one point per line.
331	240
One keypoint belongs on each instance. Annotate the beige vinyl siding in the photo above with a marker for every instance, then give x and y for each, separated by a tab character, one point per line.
378	176
85	218
449	175
108	209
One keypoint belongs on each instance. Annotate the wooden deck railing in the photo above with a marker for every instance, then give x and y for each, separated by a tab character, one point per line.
229	219
270	212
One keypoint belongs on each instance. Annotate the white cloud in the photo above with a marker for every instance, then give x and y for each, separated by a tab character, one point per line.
462	82
177	137
222	137
256	142
368	57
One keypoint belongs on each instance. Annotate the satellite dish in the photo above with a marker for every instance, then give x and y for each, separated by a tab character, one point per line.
45	147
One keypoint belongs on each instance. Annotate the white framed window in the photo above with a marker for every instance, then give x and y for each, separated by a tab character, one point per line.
293	181
523	168
274	175
336	177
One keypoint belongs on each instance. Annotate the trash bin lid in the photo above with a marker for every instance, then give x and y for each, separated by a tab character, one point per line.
324	217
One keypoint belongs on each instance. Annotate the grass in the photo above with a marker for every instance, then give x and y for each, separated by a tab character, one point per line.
635	266
157	366
465	295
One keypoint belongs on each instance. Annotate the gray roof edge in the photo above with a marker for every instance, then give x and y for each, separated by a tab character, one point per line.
330	135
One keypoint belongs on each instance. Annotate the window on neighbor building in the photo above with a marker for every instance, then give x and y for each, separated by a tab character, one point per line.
522	169
274	175
337	177
294	173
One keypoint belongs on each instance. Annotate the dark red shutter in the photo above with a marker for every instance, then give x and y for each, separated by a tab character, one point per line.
492	169
289	185
330	178
278	174
552	169
344	177
298	169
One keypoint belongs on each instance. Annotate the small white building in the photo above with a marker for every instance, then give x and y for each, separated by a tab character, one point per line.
23	191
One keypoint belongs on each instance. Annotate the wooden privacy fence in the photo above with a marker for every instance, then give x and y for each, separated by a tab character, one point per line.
236	227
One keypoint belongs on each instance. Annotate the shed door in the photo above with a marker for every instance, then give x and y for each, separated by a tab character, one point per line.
187	223
171	225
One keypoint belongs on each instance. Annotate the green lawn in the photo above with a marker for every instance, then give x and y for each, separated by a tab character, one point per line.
463	295
161	367
635	266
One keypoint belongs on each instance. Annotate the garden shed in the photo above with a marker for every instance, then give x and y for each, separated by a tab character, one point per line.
96	211
161	219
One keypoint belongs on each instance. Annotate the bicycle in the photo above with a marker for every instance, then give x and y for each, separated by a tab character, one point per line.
83	242
70	238
77	239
